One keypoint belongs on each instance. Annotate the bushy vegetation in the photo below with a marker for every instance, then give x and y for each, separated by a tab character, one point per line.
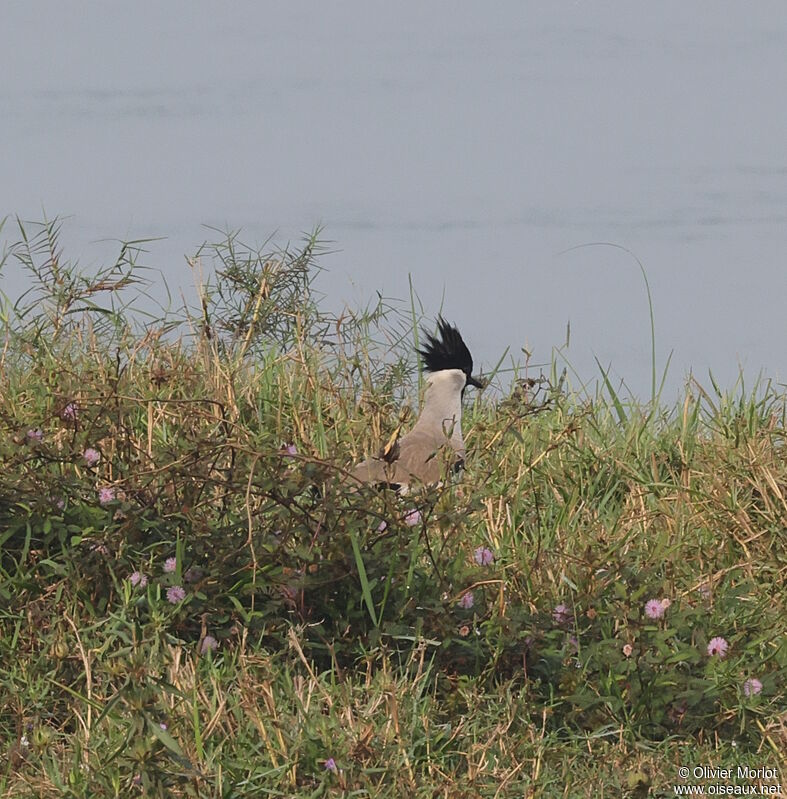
195	601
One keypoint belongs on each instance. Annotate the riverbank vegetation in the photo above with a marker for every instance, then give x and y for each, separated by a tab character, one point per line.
194	603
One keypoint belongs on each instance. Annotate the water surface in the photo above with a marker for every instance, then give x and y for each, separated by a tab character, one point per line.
465	146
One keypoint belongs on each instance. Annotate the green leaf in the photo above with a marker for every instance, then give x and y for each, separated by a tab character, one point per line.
365	589
164	737
613	394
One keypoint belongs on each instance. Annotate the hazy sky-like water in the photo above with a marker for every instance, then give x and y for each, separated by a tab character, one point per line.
467	146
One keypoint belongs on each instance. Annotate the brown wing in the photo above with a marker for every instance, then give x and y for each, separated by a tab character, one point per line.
375	470
420	459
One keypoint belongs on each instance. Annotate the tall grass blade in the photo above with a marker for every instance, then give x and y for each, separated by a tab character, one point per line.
365	587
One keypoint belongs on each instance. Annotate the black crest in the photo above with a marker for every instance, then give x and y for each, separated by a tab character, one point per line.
447	352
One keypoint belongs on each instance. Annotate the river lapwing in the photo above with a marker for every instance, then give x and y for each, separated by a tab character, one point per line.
435	442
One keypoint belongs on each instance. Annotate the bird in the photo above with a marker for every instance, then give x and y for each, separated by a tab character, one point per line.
435	441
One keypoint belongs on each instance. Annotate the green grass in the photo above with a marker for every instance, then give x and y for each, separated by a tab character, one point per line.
337	636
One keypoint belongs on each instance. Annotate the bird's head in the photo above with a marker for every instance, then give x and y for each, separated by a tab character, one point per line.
449	351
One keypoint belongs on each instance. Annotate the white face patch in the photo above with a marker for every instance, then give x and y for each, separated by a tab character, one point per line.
448	380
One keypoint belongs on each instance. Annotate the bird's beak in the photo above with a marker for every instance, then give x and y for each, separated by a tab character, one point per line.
474	381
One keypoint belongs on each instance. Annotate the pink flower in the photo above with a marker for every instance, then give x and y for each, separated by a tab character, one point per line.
91	456
290	450
163	725
718	646
35	435
138	579
70	412
175	594
382	527
106	495
467	600
561	614
627	650
330	765
654	608
484	556
170	565
209	644
412	517
752	686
